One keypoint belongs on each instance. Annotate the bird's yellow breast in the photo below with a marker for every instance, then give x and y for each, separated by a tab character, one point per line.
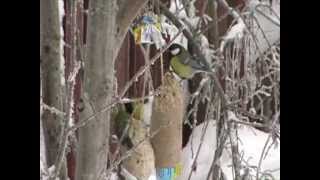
182	70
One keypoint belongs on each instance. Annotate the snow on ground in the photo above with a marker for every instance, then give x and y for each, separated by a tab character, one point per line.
252	143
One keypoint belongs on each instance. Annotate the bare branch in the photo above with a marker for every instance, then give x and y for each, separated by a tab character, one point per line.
199	148
52	109
268	17
213	23
217	155
128	10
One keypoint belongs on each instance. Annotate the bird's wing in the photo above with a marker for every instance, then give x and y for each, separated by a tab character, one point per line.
195	64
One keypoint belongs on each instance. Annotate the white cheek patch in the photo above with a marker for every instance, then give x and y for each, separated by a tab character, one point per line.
175	51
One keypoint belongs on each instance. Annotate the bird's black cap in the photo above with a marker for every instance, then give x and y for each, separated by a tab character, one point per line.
174	46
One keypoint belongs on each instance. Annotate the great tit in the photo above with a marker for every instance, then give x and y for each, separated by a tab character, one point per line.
122	120
128	121
183	64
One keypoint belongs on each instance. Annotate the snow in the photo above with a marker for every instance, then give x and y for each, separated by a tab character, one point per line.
251	144
128	176
268	21
232	116
153	176
114	176
62	60
205	156
147	110
43	162
236	32
192	8
42	145
193	21
170	30
208	52
176	7
272	31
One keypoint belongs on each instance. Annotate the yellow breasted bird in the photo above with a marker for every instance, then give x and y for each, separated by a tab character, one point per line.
183	64
128	121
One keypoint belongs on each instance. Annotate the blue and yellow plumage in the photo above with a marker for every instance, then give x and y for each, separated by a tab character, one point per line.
129	119
183	64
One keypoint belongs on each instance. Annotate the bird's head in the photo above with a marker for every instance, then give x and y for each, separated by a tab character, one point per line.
175	49
135	109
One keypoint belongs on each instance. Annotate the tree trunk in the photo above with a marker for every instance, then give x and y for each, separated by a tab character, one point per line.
106	28
213	34
52	79
167	117
98	90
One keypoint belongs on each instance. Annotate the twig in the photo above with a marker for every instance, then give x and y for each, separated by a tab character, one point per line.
200	145
201	85
237	15
262	32
52	109
254	116
268	17
125	100
211	24
261	157
201	13
233	135
270	8
256	125
275	120
217	155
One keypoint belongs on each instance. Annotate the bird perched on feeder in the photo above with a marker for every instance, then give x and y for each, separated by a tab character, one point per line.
130	129
185	65
129	121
